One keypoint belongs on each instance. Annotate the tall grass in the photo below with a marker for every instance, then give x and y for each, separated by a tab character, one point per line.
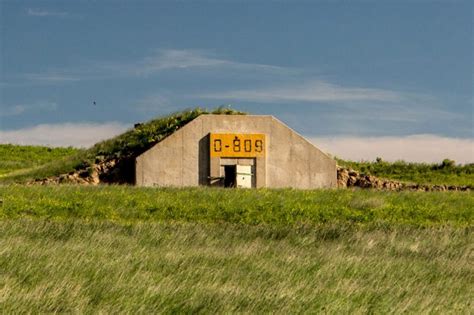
102	267
122	249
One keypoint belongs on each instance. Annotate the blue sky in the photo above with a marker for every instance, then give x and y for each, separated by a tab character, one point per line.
387	70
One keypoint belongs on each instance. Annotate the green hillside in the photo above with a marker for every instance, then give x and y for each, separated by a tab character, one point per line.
22	157
125	146
444	173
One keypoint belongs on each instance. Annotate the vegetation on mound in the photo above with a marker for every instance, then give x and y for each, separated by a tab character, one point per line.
279	207
127	145
103	267
444	173
26	163
21	157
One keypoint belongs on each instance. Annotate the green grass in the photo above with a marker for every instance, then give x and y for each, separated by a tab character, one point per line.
122	249
76	266
444	173
209	205
125	146
21	157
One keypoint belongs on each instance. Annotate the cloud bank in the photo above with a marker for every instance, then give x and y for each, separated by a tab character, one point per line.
65	134
414	148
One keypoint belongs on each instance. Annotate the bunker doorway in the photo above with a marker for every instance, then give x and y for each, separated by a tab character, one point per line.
239	176
230	175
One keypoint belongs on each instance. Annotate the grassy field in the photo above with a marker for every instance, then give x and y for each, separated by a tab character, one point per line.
122	249
285	207
444	173
19	157
76	266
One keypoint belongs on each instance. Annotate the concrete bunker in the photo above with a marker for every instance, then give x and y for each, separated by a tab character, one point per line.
245	151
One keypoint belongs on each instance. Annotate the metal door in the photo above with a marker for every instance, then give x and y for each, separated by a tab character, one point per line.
244	176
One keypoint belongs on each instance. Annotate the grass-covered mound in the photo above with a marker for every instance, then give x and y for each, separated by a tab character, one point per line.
120	148
26	163
444	173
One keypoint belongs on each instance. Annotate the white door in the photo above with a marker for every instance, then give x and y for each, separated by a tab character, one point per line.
244	176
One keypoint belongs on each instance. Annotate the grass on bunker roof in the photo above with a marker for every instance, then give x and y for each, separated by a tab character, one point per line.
128	144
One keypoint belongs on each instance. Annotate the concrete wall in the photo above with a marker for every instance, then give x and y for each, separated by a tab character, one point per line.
182	159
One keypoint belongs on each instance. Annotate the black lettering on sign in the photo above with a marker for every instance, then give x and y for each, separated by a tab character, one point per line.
217	145
258	146
236	144
248	145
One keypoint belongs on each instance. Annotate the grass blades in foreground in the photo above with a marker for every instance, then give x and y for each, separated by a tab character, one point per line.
104	267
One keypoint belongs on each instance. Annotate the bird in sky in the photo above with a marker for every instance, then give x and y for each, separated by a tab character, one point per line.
94	103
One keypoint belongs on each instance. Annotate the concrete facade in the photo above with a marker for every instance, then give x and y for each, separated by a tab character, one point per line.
183	158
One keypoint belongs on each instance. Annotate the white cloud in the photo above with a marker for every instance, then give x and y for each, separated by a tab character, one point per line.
64	134
166	59
414	148
43	13
161	60
23	108
312	91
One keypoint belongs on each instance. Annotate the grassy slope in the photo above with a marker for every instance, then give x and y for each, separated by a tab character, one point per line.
445	173
19	157
80	267
129	144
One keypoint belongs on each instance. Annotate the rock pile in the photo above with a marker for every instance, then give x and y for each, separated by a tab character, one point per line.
347	178
89	176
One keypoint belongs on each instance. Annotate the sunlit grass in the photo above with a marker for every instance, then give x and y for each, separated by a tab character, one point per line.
443	173
169	267
122	249
281	207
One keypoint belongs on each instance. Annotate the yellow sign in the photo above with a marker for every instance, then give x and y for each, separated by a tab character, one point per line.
237	145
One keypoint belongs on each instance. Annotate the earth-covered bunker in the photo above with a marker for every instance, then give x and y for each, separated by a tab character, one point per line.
235	151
